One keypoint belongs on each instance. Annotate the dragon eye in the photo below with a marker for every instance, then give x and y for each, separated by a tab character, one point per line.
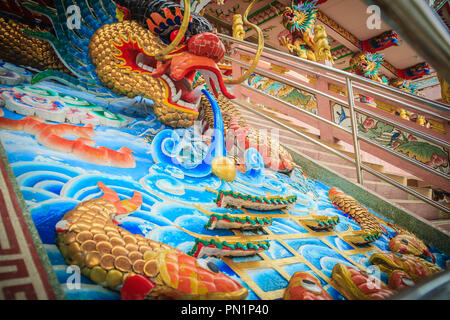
174	33
400	255
310	285
208	265
404	241
212	266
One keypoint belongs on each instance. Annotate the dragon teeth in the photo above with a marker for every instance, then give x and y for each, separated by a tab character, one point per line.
176	96
139	58
210	78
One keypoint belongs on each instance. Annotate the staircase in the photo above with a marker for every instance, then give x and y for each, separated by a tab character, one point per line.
334	163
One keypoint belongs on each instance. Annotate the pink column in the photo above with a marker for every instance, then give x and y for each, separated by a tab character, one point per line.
236	73
324	111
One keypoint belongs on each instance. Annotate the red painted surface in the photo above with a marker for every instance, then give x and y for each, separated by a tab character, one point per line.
22	282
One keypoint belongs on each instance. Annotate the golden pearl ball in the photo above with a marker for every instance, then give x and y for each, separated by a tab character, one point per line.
224	168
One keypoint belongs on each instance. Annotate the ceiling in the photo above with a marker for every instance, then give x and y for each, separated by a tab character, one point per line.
351	15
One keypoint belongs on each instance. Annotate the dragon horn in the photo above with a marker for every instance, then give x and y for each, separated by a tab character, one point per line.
258	51
162	54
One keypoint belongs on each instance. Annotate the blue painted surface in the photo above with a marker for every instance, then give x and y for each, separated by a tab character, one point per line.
53	183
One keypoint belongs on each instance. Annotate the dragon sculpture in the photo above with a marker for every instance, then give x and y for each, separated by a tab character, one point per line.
157	49
304	286
404	85
407	263
154	49
371	227
367	65
382	41
302	37
403	271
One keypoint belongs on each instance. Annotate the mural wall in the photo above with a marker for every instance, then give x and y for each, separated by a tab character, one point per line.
297	97
145	197
394	138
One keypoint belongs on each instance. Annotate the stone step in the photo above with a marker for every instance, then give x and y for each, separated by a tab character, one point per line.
264	124
306	149
325	157
377	167
419	208
318	153
380	187
349	171
427	192
295	137
443	225
444	215
390	192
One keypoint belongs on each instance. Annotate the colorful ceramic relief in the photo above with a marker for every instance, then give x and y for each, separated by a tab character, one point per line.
395	139
172	212
51	105
294	96
139	207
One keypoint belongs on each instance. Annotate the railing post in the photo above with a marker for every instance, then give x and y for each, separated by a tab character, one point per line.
351	103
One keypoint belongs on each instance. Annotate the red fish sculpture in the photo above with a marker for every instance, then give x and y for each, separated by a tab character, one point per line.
304	286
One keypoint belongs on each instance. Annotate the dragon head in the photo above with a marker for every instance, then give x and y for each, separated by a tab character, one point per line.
366	64
409	244
399	280
357	284
155	51
404	85
300	17
417	268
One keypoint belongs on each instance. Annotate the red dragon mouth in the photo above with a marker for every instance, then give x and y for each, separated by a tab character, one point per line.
177	74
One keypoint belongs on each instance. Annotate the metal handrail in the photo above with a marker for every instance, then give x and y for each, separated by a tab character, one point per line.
433	40
341	73
441	107
383	94
350	104
394	153
343	156
298	85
